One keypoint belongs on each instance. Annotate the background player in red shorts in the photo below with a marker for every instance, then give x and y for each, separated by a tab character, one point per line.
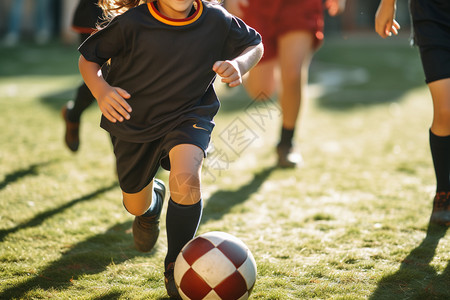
431	23
292	30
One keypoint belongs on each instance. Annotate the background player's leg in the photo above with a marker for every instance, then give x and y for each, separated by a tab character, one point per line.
295	53
295	50
82	101
73	110
262	81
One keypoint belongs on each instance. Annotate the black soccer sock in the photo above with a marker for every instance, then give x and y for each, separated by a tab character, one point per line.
286	137
440	151
181	225
82	100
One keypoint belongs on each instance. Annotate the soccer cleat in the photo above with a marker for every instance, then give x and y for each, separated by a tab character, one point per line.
146	228
71	137
287	158
441	209
169	282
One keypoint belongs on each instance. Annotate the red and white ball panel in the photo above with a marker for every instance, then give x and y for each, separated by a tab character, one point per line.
215	265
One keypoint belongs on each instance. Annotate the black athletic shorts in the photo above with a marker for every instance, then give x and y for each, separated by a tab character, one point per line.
137	163
435	62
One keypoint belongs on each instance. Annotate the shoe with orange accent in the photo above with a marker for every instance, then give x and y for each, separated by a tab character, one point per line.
71	136
441	209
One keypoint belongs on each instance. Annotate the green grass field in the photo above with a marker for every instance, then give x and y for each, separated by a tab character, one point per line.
352	223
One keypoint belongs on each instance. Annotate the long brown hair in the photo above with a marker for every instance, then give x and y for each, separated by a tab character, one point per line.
112	8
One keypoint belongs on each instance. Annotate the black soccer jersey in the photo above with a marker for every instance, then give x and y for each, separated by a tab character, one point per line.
166	65
431	20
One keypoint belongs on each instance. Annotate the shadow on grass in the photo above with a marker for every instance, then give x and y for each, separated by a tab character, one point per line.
31	170
345	100
89	257
40	218
56	100
221	202
416	278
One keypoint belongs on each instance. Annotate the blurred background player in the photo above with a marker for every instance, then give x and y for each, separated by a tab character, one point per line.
292	30
42	22
86	17
431	25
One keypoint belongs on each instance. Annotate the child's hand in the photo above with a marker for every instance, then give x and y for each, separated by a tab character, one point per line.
335	7
385	23
229	71
111	100
113	105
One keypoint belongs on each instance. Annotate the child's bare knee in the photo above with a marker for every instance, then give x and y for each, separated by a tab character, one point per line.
134	209
135	205
185	189
442	117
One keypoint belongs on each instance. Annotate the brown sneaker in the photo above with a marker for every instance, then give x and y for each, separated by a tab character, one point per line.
287	158
169	282
71	136
441	209
146	229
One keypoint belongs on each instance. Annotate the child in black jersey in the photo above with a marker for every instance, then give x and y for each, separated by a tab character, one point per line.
431	23
158	103
85	19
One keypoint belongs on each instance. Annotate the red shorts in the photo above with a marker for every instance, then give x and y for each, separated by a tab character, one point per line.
274	18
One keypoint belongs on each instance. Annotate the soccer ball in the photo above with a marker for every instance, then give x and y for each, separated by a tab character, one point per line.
215	265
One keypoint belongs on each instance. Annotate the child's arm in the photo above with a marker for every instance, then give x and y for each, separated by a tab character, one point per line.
232	71
385	23
335	7
111	100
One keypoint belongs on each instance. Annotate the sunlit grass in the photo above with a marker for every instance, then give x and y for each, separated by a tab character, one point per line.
352	223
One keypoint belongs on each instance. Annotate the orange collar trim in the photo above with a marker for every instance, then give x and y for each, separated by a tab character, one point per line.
176	22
